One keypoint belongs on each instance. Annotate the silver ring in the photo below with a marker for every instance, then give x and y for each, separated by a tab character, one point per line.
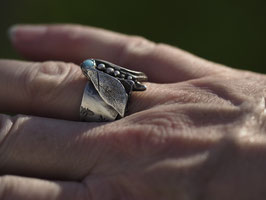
108	90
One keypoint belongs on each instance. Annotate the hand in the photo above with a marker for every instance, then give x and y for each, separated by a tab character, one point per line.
196	133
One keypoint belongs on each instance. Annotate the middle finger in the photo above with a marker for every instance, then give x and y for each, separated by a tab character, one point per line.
53	89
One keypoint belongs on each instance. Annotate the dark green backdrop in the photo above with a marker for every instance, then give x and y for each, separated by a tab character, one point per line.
231	32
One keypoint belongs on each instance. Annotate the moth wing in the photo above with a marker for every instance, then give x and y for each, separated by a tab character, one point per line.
110	90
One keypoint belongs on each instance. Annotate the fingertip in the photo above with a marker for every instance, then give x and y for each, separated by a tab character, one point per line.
25	39
24	33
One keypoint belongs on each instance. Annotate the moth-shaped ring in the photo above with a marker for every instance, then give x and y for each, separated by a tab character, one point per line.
108	90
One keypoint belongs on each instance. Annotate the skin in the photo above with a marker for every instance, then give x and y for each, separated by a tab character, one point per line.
198	132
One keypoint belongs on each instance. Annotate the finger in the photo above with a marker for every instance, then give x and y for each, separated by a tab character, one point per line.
21	188
51	89
60	150
161	63
48	148
65	150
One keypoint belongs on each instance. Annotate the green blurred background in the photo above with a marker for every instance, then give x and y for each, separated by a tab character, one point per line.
231	32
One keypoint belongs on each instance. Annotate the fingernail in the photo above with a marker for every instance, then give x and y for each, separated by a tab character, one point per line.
11	32
26	32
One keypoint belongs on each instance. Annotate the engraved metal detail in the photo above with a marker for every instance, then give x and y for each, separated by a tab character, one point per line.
107	92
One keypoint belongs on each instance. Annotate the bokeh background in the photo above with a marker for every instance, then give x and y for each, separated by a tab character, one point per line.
232	32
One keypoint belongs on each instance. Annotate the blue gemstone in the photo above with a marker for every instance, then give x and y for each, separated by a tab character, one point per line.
89	63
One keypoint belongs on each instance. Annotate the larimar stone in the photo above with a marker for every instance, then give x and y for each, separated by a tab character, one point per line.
88	63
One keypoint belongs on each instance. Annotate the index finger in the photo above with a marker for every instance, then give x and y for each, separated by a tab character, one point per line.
162	63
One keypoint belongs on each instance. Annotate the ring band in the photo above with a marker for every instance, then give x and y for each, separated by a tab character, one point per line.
108	90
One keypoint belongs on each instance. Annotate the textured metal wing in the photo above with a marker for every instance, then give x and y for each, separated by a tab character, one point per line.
93	108
110	90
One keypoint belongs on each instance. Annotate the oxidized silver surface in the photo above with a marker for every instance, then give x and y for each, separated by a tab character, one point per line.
108	90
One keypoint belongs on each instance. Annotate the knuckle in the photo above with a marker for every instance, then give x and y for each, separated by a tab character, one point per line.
136	41
147	132
8	128
161	125
44	80
134	47
6	125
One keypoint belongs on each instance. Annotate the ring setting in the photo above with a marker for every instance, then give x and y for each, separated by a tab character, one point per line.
108	90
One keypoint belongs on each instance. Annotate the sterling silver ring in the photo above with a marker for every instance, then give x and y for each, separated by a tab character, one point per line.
108	90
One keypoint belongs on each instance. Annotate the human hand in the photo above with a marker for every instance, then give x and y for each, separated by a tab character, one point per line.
196	133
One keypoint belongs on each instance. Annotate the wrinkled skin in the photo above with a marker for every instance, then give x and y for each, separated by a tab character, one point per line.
198	132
